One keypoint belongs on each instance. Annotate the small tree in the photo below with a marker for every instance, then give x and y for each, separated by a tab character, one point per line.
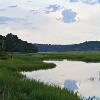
3	54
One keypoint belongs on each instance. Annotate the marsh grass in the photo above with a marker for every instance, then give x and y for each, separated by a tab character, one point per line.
89	56
14	86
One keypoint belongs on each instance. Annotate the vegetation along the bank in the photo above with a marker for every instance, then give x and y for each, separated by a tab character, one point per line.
14	86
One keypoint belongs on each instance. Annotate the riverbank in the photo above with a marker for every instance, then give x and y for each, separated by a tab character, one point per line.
14	86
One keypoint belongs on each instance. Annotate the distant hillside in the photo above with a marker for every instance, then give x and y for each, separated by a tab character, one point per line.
85	46
11	43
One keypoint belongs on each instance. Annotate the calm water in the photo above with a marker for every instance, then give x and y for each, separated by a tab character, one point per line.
74	75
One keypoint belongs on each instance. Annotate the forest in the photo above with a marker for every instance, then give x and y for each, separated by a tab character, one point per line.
11	43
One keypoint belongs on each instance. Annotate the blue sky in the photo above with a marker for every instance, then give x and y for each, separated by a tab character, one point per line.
51	21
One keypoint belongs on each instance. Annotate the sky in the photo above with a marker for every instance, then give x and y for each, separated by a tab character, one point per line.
51	21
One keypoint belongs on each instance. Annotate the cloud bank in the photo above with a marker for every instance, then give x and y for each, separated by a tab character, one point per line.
51	21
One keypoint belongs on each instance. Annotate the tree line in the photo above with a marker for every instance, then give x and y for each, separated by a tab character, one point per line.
85	46
11	43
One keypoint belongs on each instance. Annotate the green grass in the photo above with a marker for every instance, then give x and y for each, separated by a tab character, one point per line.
90	56
14	86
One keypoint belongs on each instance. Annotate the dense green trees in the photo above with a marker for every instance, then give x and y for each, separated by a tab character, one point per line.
2	42
11	43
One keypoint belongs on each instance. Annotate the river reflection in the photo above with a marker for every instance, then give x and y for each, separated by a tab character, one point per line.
73	75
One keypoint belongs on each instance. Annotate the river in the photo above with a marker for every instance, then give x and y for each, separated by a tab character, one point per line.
76	76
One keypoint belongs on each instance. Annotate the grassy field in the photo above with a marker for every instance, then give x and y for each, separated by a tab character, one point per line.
14	86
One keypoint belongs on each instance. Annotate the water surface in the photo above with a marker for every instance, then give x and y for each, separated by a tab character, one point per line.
73	75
